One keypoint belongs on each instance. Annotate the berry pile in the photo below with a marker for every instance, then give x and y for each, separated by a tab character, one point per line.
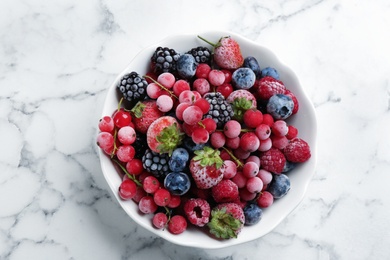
202	139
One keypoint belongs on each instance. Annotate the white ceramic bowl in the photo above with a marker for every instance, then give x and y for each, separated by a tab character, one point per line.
300	178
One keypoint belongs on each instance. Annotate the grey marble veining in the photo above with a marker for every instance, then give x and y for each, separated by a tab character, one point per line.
57	60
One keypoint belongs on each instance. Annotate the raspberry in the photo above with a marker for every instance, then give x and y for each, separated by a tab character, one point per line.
294	99
268	86
197	211
297	150
272	160
225	191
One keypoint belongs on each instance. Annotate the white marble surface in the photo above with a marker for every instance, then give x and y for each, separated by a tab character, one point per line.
57	59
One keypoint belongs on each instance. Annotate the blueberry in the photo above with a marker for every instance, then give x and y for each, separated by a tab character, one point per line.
178	160
251	62
186	66
269	71
279	186
243	78
253	214
288	166
178	183
280	106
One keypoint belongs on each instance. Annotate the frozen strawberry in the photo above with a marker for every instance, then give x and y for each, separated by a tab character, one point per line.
227	220
144	113
241	100
297	150
207	168
164	135
272	160
226	53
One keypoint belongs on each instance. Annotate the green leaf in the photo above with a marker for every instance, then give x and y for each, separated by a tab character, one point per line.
169	138
138	109
240	106
208	157
223	225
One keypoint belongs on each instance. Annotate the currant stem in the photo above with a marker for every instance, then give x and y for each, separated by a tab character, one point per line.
115	147
131	176
239	163
161	86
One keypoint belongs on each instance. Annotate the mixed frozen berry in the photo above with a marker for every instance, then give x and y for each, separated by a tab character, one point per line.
202	138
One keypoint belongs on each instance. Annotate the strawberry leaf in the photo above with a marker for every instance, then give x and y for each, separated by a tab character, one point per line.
169	138
138	109
223	225
240	106
208	157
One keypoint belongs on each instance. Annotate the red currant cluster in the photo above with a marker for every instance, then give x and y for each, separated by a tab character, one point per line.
117	134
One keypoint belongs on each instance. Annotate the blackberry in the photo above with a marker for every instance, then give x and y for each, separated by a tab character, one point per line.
133	87
140	145
155	163
220	110
164	60
201	54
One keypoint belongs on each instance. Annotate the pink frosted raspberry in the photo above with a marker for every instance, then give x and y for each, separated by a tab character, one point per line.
268	86
273	160
197	211
297	150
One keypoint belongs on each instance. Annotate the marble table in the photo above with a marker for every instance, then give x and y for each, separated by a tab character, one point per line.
57	59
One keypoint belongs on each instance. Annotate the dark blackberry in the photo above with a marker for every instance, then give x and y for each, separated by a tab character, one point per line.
156	163
140	145
220	110
201	54
164	60
133	87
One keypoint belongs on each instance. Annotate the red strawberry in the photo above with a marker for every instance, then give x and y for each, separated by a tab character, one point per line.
297	150
225	191
227	220
268	86
227	53
164	135
144	114
241	101
206	168
272	160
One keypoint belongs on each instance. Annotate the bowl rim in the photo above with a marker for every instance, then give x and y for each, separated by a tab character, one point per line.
175	239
